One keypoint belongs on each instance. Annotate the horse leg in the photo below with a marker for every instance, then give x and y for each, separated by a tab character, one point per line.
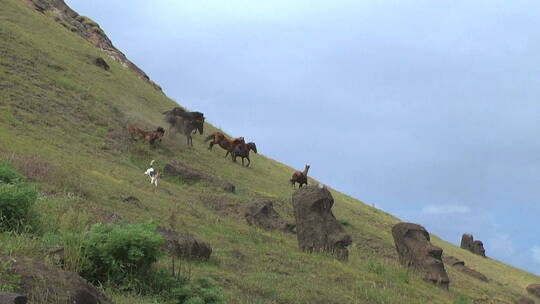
227	154
249	161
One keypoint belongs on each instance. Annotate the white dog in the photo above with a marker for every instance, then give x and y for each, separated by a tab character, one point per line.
153	173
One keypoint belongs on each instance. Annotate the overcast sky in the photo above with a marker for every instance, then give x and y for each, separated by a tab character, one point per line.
427	109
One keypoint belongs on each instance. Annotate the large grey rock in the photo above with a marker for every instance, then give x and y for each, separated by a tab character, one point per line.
44	283
415	250
317	229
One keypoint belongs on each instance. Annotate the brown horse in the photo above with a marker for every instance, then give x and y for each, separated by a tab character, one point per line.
300	177
228	144
150	136
243	152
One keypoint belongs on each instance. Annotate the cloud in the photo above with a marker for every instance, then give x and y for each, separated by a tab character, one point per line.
445	209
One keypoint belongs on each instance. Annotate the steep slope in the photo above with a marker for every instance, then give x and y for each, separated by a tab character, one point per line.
61	112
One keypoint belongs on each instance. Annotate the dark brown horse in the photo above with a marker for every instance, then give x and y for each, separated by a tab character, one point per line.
300	177
243	152
150	136
189	127
228	144
177	111
185	122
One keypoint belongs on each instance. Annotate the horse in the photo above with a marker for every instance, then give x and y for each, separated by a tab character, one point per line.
243	152
300	177
191	126
187	123
172	115
228	144
150	136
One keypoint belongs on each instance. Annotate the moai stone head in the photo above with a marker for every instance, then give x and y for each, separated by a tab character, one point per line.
415	250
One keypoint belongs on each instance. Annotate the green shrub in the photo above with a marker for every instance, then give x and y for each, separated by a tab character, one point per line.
462	300
121	254
8	280
16	199
201	291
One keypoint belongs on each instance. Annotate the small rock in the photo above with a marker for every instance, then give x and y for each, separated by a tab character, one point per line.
534	289
131	199
524	300
12	298
460	266
238	255
57	255
263	215
228	187
184	246
100	62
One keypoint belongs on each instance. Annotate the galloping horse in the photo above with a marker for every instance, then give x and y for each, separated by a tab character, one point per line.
149	136
228	144
189	127
243	152
185	122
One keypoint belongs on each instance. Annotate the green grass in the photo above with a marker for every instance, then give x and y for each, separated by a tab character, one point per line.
60	122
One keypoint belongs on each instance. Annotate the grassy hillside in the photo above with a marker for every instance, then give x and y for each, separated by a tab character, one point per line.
61	122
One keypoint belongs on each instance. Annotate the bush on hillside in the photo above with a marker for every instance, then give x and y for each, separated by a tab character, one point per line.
201	291
121	254
16	199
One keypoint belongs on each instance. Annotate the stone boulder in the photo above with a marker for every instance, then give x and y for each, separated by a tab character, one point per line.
317	229
476	247
190	175
415	250
44	283
12	298
184	246
262	214
460	266
100	62
534	289
524	300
